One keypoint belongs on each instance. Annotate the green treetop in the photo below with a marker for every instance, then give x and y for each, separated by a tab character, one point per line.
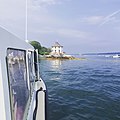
41	50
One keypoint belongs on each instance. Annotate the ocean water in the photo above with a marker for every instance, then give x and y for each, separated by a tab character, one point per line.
82	89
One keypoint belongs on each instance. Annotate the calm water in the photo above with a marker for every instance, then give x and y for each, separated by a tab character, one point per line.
83	89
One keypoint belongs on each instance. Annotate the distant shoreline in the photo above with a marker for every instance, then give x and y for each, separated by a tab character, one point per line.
107	53
61	58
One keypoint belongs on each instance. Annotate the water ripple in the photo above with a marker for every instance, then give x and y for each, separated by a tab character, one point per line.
83	90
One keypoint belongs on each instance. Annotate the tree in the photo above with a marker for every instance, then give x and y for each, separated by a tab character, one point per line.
35	44
41	50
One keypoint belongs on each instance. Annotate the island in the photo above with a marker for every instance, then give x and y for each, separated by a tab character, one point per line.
58	53
53	53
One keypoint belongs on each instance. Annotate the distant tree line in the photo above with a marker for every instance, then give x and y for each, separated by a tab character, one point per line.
41	49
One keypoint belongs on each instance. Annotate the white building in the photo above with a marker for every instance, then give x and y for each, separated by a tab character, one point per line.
57	49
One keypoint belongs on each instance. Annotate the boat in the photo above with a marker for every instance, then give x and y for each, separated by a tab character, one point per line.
23	94
116	56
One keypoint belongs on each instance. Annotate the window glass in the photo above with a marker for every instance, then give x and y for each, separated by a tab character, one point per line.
19	92
36	64
31	68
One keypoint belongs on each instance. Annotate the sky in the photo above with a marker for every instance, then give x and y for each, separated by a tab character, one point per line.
81	26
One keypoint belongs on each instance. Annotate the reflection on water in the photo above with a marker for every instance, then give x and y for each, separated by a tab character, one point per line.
86	90
55	64
53	68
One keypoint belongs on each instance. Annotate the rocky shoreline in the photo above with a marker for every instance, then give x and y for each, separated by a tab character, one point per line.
60	58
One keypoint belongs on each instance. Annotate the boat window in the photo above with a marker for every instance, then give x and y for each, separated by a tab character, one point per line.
36	64
19	92
31	68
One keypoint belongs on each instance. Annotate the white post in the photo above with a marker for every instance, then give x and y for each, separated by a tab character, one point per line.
26	20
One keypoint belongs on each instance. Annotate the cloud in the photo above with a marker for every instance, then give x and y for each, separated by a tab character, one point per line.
12	16
100	20
92	20
72	33
64	32
48	2
12	9
110	17
45	2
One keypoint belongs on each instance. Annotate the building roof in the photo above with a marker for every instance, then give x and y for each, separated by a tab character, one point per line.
56	44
